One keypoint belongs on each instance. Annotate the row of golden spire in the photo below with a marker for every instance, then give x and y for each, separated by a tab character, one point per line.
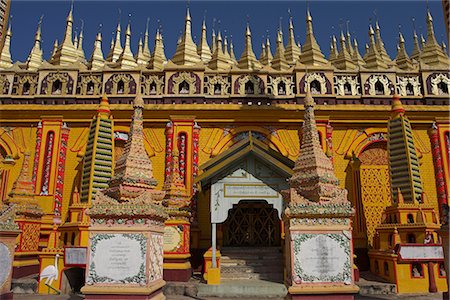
221	55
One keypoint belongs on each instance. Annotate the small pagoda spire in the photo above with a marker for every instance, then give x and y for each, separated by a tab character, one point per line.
269	50
146	50
403	158
232	56
248	59
22	193
134	171
67	53
402	59
349	40
344	60
432	53
311	53
213	41
97	61
126	60
5	55
176	194
357	58
373	58
35	59
380	45
80	50
116	49
203	48
279	61
416	51
313	178
226	51
422	41
140	57
218	60
366	51
55	48
333	49
186	52
262	57
292	53
158	58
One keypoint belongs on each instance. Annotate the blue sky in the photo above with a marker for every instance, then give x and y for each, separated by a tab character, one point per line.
264	16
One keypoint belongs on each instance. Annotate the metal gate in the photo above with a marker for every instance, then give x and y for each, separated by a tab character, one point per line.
252	223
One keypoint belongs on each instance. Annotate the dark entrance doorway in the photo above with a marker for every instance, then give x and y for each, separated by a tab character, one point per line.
252	223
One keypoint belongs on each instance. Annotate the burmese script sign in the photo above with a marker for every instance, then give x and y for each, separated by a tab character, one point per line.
172	238
118	258
250	191
75	256
5	263
323	257
421	252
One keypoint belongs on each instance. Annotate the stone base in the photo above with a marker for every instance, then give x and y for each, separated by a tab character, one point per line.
182	275
154	292
322	296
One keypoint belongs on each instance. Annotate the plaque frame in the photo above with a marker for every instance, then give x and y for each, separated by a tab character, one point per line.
75	265
345	276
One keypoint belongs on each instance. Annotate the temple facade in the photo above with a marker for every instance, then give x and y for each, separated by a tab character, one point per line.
223	133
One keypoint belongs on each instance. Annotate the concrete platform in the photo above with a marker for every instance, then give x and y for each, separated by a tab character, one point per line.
370	284
243	289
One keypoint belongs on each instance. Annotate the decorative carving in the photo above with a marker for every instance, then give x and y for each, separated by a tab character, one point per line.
316	83
439	84
4	85
249	85
378	85
25	85
89	85
217	85
408	86
152	85
347	85
120	84
57	84
281	86
184	83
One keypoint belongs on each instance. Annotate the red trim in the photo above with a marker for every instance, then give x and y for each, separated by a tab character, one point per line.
48	160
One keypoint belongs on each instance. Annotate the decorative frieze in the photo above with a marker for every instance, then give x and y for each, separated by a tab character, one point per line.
152	84
347	85
281	85
378	85
217	85
408	86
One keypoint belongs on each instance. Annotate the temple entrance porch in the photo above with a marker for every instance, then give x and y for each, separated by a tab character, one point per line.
242	205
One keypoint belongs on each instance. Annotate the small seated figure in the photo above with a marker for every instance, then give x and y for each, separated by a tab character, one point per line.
281	90
90	90
416	272
153	89
57	91
120	91
249	90
184	89
442	272
217	90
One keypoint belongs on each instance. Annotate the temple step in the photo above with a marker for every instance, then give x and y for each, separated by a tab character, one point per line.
265	263
25	285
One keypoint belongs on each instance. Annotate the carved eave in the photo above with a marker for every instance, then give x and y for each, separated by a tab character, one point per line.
7	217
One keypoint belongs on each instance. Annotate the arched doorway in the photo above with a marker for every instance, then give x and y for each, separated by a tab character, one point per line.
252	223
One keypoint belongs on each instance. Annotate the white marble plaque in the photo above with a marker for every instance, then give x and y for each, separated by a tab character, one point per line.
75	256
118	258
322	258
423	252
5	263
